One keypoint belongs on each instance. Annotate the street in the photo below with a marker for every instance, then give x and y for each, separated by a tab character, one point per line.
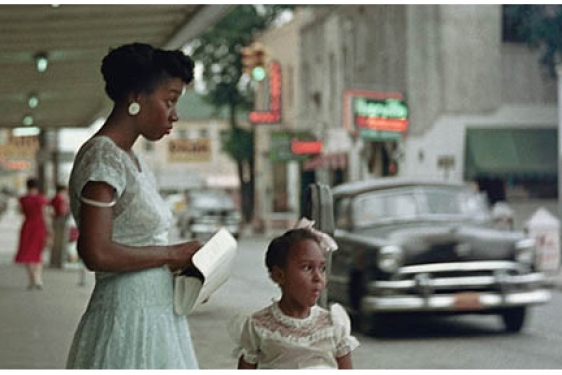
37	327
468	342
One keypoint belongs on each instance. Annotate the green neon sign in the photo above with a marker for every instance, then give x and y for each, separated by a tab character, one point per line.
386	108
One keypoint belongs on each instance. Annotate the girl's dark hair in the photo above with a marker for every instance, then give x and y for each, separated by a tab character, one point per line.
139	68
280	247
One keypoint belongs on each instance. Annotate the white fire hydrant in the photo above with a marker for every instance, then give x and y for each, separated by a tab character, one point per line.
544	228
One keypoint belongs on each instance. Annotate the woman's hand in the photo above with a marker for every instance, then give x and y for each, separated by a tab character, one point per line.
182	254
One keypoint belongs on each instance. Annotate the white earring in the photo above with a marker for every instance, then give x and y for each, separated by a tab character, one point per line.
134	108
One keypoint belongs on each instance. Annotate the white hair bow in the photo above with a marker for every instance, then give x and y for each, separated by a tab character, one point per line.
326	242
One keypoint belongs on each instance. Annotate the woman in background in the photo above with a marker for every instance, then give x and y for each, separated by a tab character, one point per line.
34	233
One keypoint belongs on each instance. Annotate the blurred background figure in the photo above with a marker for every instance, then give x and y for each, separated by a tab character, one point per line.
61	211
34	233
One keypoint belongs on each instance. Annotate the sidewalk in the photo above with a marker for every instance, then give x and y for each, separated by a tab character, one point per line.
36	327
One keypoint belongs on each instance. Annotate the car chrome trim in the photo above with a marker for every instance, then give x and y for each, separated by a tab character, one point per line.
462	282
448	302
491	265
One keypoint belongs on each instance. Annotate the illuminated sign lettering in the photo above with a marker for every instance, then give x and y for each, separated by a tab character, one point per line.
382	115
375	115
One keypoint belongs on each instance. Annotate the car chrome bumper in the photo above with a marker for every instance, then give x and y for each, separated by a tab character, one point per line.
425	293
452	302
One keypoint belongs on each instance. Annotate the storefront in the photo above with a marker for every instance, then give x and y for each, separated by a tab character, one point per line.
515	159
380	120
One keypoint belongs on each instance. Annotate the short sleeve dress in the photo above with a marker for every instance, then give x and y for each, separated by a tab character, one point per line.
273	340
33	233
129	322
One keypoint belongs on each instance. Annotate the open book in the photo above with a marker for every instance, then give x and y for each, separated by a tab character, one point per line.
211	269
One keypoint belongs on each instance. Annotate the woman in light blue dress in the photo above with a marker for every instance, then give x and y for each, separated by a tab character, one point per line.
129	322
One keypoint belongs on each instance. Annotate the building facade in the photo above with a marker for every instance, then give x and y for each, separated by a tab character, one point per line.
191	157
277	166
428	90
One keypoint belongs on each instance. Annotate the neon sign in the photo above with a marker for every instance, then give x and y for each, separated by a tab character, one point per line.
299	147
382	115
273	115
375	115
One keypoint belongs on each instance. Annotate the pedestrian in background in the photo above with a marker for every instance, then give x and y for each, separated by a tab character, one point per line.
294	332
34	233
60	212
123	221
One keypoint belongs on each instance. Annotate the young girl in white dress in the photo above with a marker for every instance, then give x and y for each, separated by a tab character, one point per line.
295	332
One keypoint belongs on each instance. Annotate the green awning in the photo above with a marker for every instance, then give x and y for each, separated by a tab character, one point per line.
505	153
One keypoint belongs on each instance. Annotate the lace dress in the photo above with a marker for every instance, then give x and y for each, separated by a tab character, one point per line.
129	322
276	341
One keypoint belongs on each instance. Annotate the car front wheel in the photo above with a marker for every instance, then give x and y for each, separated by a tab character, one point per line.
514	318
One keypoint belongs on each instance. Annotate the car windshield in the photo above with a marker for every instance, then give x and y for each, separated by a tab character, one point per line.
417	203
211	200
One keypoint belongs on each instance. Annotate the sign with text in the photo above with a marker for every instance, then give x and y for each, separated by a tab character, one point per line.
380	114
292	145
375	115
181	150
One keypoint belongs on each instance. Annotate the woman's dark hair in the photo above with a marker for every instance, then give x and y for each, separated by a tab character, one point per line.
139	68
280	247
32	183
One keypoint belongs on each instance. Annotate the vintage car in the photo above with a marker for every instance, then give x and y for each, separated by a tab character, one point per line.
410	246
206	211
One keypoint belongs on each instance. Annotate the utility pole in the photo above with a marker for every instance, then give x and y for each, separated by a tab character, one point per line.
559	79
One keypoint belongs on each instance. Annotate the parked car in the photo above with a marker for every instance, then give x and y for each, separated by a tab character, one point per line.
409	246
206	211
176	202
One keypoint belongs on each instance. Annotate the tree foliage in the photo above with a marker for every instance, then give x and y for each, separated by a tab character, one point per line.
219	51
541	27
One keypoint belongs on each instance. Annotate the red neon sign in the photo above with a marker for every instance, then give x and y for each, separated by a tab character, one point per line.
382	124
273	115
306	147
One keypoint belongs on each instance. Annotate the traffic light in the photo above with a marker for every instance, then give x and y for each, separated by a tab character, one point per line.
254	61
248	59
258	72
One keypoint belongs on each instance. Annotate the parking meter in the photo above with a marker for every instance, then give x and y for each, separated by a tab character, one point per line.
319	208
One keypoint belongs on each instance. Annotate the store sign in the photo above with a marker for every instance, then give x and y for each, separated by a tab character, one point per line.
306	147
375	115
181	150
380	114
19	153
291	145
377	135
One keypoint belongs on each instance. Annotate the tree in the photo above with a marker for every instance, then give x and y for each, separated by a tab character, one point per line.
540	26
219	51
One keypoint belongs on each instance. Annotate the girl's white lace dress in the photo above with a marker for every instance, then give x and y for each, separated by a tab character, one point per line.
129	322
276	341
